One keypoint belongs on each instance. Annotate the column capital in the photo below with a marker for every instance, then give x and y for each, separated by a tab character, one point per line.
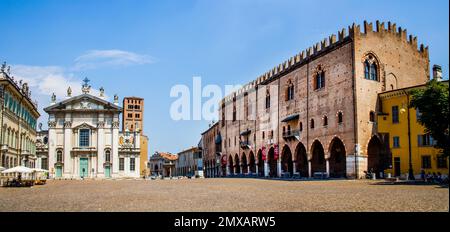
100	124
51	124
67	124
115	125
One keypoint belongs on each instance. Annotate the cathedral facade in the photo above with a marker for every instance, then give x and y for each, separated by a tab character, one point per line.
84	140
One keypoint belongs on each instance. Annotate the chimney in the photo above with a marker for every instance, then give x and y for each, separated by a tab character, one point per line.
437	72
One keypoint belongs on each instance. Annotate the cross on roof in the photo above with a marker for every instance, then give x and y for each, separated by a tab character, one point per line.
86	81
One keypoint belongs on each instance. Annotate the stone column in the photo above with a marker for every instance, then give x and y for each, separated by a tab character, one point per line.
100	145
228	170
327	161
257	171
294	168
115	144
279	167
249	171
67	146
309	169
266	168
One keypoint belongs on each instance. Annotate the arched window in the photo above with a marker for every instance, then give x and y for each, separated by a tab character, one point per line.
290	91
366	69
289	129
340	119
319	80
373	72
325	120
107	156
372	116
284	130
312	123
301	126
263	135
371	68
59	156
267	99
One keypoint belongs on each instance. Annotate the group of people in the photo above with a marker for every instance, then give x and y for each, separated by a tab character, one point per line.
433	177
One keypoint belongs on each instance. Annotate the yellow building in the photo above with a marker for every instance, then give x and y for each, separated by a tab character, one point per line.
393	121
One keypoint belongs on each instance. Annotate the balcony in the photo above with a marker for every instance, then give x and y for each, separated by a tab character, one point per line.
292	134
245	145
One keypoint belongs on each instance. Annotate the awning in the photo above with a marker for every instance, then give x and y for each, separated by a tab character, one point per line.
246	132
18	169
290	118
218	139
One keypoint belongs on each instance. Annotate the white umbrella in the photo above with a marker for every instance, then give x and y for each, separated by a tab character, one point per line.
18	169
39	170
2	168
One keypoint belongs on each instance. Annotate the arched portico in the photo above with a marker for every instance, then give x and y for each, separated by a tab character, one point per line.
237	165
318	163
230	165
260	163
273	172
377	158
301	160
287	165
337	159
244	164
252	162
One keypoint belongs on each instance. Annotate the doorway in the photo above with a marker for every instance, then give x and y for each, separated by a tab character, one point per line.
84	171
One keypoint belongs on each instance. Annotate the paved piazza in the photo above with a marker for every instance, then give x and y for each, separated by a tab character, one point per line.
224	195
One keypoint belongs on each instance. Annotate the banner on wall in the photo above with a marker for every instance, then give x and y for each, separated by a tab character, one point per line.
276	152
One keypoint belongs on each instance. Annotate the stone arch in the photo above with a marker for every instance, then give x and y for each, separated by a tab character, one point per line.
318	163
273	172
231	164
287	166
237	165
260	163
377	158
337	159
244	163
301	160
252	162
391	82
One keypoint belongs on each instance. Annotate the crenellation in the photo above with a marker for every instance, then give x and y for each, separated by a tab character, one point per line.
316	48
368	27
380	27
332	39
341	34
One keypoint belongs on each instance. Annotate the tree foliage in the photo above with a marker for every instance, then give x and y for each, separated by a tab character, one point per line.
432	103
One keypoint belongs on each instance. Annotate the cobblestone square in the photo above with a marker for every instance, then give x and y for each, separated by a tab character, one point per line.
224	195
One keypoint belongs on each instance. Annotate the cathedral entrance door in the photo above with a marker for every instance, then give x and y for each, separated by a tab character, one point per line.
107	172
58	171
84	171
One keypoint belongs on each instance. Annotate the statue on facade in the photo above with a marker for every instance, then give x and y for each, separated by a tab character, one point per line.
2	69
102	92
53	97
69	92
116	98
86	88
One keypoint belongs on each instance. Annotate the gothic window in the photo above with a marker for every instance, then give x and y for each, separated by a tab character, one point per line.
312	123
371	68
325	120
223	115
290	91
267	99
340	118
84	137
319	79
301	126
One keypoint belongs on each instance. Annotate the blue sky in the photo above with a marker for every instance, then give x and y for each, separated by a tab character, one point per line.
143	48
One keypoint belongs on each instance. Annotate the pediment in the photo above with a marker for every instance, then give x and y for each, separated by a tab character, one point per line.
84	102
84	125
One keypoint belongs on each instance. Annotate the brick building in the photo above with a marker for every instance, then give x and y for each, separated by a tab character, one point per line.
311	114
133	120
211	145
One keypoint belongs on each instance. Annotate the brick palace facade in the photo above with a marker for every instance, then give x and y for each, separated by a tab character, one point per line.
312	114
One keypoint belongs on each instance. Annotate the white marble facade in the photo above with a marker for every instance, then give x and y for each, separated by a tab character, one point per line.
84	139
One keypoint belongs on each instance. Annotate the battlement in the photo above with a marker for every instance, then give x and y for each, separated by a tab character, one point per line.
326	45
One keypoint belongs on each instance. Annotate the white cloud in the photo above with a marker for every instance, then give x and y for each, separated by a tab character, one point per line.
106	58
